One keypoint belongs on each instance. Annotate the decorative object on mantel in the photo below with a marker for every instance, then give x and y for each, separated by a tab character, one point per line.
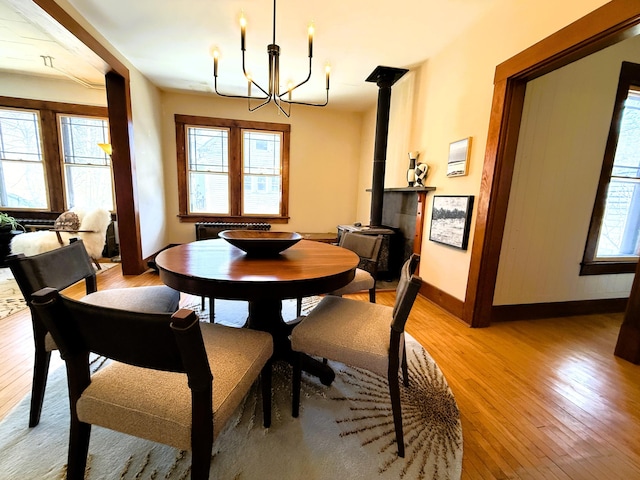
272	94
451	220
458	162
421	174
411	172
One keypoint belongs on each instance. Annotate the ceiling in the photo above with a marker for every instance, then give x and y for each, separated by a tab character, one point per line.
170	41
25	38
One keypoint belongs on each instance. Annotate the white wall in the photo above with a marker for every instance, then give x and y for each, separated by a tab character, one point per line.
452	100
324	160
50	89
565	124
149	174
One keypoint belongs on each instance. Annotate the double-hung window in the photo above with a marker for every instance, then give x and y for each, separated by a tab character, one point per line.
87	168
613	244
232	170
50	158
22	171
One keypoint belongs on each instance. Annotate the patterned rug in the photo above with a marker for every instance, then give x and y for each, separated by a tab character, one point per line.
11	299
343	431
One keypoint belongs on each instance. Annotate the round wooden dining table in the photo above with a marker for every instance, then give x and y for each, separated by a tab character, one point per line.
216	269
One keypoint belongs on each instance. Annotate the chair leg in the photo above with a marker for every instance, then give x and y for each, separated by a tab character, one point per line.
372	294
78	449
201	457
295	385
298	306
265	382
200	464
396	407
404	366
212	310
40	371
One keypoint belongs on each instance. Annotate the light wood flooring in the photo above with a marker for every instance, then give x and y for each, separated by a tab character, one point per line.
541	399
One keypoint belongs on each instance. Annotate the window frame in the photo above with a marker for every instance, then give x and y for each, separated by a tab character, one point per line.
629	77
51	147
235	127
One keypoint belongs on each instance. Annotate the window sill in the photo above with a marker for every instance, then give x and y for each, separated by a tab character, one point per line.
607	268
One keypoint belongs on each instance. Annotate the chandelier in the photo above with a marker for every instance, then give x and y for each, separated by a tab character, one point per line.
272	94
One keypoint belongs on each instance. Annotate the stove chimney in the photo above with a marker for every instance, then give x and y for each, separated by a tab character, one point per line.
384	77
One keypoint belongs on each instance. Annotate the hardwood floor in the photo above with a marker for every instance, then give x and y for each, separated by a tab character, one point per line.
541	399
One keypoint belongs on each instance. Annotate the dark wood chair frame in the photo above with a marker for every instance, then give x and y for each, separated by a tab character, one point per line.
155	341
59	269
407	292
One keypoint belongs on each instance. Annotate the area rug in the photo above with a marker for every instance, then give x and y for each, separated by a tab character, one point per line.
343	432
11	299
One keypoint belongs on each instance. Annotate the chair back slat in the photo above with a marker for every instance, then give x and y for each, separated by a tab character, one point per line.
406	293
141	339
59	269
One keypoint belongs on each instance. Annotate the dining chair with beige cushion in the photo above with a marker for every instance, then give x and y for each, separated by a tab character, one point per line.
172	379
361	334
368	248
61	268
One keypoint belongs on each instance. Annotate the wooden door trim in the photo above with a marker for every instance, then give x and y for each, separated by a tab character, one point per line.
609	24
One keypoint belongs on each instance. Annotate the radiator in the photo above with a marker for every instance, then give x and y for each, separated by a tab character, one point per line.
205	230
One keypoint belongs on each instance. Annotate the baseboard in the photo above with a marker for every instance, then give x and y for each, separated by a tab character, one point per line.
445	301
502	313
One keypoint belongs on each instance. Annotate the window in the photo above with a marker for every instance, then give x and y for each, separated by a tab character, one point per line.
22	177
232	170
87	168
613	244
50	160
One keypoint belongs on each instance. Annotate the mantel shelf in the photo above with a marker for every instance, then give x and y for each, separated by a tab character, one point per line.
408	189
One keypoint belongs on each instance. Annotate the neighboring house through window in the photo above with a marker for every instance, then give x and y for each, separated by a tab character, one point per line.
50	160
613	244
232	169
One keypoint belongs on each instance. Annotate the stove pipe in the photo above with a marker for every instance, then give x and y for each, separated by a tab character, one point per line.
384	77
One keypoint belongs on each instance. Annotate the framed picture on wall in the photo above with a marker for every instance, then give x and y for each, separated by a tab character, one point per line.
451	220
458	163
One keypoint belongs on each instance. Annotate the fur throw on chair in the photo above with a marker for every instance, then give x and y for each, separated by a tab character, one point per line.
95	221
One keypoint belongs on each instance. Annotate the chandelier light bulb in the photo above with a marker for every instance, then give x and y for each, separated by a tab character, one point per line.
243	31
311	31
215	53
